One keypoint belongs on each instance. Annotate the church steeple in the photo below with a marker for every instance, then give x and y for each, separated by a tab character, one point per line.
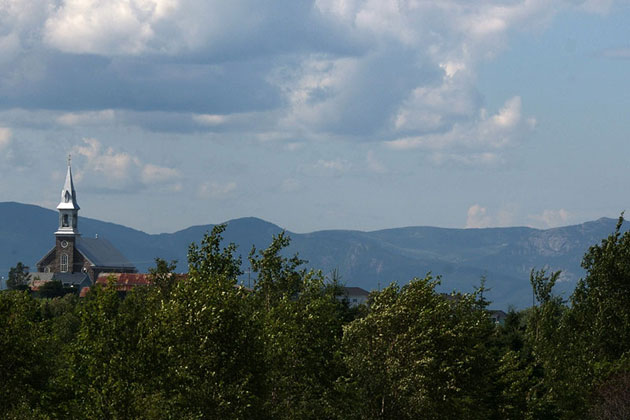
68	194
68	207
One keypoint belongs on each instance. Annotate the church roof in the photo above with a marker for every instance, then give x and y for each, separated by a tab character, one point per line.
101	253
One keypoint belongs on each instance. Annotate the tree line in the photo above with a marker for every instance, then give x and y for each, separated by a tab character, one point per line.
202	347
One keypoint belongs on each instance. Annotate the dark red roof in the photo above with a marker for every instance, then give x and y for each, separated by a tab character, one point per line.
124	282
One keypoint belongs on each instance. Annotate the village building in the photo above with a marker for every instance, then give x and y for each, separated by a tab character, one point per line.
80	262
76	261
497	316
356	296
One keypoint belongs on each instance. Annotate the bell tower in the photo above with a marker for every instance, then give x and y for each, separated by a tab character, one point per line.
67	232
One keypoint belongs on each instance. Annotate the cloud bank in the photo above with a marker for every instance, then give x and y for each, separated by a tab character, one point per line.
106	169
400	72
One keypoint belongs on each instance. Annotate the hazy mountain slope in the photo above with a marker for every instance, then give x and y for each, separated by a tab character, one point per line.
366	259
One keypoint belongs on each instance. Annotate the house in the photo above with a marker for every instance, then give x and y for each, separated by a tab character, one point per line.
74	260
356	296
74	280
497	316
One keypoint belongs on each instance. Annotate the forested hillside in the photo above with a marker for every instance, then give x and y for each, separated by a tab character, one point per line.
202	347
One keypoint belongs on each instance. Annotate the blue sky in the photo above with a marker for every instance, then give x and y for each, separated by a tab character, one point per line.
319	114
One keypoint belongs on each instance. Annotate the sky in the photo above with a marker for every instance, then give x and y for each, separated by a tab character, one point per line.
324	114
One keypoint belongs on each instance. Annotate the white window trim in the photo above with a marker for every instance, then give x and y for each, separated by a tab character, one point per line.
63	267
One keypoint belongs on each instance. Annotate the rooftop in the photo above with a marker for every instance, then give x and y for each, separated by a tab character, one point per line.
102	253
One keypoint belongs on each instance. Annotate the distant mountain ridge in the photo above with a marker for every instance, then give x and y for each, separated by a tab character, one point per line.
370	260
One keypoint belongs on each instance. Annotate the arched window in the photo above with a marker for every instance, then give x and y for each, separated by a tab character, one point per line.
65	221
64	263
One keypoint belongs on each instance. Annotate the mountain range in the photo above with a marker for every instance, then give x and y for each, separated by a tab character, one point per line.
371	260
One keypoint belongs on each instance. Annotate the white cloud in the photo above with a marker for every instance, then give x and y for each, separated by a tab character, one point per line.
5	138
470	159
333	166
216	190
109	27
477	217
480	217
210	119
107	168
105	161
86	118
314	90
435	107
153	174
343	69
476	142
509	115
551	218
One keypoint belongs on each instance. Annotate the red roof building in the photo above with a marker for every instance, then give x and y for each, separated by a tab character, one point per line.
124	282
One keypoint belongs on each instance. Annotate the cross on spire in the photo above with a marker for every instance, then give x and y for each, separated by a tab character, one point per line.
69	159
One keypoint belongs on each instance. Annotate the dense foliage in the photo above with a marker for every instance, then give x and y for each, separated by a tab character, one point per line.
18	277
202	346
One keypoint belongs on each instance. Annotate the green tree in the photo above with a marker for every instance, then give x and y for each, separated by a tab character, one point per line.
210	259
52	289
421	355
594	332
601	301
577	348
185	348
163	276
302	316
303	354
18	277
204	339
277	276
105	368
546	358
26	360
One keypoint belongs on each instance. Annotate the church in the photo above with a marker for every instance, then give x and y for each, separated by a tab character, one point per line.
76	261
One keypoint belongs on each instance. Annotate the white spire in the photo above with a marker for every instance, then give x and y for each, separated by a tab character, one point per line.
68	194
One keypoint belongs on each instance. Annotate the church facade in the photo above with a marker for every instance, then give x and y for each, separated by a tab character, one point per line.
74	260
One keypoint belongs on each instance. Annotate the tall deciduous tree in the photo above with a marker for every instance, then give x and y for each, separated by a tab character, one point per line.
302	325
601	301
419	354
25	356
277	276
595	331
202	337
210	258
303	356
